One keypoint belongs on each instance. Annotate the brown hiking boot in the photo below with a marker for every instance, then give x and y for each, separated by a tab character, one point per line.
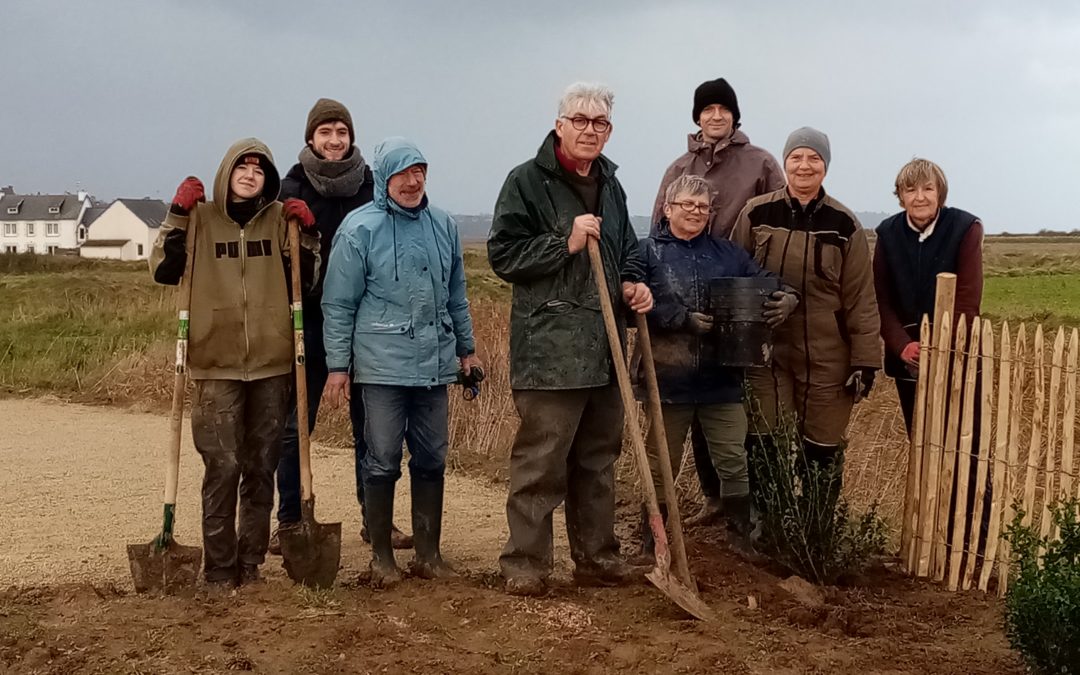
526	586
612	571
275	541
709	514
398	539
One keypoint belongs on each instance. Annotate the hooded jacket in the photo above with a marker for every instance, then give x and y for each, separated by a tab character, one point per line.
394	297
820	250
557	336
240	326
678	272
736	170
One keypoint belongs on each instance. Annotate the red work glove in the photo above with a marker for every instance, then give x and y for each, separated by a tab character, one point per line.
910	354
296	209
190	192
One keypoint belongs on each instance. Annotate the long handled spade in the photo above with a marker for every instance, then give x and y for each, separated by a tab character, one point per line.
311	550
660	576
165	564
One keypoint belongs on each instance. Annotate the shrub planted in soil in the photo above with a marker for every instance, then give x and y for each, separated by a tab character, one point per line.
807	525
1042	606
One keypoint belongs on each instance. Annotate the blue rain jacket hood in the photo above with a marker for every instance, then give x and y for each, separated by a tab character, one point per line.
394	302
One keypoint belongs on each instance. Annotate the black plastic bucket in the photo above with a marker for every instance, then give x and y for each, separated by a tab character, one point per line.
737	303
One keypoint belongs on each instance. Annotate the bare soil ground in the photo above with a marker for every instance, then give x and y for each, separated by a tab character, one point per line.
80	483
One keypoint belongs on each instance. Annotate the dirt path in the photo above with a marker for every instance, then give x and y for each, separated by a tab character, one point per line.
80	482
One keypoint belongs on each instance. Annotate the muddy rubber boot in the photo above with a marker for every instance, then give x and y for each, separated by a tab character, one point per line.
740	526
427	512
709	514
380	514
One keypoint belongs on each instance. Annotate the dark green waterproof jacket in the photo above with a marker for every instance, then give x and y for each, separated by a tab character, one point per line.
557	338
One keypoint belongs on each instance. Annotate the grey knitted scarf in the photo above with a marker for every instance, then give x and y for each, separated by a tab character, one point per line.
342	178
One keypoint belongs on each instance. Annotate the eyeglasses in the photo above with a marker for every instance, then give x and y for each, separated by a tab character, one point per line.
599	125
694	207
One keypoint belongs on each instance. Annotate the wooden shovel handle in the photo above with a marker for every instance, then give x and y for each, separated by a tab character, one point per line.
298	350
656	425
623	376
176	415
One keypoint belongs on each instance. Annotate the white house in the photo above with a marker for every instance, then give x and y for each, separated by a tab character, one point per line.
41	223
123	230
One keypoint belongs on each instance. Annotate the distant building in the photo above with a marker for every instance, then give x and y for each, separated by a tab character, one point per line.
42	223
123	230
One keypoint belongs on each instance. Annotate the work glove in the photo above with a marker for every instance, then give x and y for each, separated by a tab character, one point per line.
190	192
698	323
779	307
296	209
860	382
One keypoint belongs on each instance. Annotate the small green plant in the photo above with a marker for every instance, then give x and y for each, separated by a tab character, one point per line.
1042	606
807	525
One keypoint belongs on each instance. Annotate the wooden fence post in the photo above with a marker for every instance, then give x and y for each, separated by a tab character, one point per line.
963	453
1013	468
1036	431
1001	447
948	455
1067	433
932	457
1051	430
986	361
913	502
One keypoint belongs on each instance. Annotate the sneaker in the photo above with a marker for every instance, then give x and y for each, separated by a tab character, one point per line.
525	586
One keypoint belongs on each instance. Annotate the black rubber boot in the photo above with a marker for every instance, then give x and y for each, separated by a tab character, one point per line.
379	505
740	526
427	512
824	466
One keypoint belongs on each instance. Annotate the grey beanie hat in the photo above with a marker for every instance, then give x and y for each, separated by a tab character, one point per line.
808	137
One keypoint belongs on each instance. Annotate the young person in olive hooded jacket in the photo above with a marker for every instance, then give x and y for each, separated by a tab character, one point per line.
240	354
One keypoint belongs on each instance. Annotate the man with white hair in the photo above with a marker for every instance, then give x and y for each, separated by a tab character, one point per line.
560	367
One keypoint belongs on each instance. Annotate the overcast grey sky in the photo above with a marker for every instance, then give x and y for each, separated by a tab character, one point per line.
129	96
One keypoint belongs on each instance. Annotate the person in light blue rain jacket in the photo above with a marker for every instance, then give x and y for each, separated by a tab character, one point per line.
396	316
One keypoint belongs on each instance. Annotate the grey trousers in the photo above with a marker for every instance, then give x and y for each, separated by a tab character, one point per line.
237	428
565	449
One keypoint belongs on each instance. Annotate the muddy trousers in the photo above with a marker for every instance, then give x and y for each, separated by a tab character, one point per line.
711	485
565	450
724	428
237	427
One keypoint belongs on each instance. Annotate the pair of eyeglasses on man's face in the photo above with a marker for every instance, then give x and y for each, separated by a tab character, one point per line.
693	207
580	122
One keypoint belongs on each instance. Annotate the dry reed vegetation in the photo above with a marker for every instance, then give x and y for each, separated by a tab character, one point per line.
101	332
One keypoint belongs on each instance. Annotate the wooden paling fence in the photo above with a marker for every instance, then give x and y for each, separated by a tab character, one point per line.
985	421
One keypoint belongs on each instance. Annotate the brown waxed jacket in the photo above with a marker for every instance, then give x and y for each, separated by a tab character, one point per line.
822	251
736	170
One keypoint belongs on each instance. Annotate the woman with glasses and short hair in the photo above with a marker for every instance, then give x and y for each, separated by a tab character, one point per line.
680	260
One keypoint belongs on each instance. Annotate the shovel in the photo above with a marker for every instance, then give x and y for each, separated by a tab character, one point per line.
164	564
660	576
311	550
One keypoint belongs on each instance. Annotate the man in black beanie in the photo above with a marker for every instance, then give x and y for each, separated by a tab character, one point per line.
737	172
333	179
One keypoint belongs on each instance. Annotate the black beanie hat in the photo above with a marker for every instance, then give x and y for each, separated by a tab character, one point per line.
713	92
328	110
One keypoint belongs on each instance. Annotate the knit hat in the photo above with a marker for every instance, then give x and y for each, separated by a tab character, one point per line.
713	92
808	137
328	110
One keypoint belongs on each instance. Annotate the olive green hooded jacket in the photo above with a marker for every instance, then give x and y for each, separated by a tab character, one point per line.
557	337
240	326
